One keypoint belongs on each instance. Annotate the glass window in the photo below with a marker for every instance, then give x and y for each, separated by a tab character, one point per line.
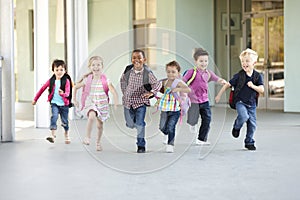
262	5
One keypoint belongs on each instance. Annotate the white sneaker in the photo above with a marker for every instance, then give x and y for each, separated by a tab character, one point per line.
169	148
193	129
165	140
199	142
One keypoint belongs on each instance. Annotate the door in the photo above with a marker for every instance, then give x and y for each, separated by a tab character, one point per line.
264	34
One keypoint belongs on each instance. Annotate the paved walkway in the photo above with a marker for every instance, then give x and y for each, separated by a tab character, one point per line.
33	169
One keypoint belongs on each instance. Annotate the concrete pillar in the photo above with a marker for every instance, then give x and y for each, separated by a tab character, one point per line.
8	77
41	60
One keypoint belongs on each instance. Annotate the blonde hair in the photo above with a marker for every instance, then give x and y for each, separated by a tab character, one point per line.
249	52
91	60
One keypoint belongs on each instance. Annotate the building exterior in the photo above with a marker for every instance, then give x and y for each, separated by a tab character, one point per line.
33	33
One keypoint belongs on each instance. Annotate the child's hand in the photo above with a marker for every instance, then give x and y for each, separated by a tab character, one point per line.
60	91
147	95
176	89
75	103
33	102
217	98
250	84
223	81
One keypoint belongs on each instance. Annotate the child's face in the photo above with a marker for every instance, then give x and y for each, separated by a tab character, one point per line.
96	67
138	60
202	62
172	72
247	63
59	71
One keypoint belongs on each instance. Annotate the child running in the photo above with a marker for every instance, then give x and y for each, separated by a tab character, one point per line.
94	99
170	105
60	93
249	83
198	79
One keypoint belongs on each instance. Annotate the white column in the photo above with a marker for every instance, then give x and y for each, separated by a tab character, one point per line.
8	77
41	60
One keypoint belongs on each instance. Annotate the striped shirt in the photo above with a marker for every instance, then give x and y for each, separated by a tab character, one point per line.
132	93
168	102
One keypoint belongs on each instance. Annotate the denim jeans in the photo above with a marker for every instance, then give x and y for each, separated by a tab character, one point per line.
135	118
64	115
167	124
202	109
246	114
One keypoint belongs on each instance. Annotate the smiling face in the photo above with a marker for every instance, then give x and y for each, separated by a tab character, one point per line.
96	66
247	63
202	62
59	71
138	60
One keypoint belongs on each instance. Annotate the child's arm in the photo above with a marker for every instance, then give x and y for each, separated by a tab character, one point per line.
223	89
76	87
114	93
222	81
182	87
40	92
257	88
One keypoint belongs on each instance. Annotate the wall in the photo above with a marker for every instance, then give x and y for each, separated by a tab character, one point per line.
291	58
23	65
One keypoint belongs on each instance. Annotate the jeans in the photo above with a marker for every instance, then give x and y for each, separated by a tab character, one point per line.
202	109
167	124
246	114
64	115
135	118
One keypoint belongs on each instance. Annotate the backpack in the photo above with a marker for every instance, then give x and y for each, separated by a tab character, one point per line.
146	83
183	99
192	78
63	81
87	87
241	81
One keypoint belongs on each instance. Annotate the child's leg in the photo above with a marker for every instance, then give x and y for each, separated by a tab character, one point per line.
251	126
99	134
193	114
91	118
64	115
205	113
171	126
129	115
242	117
53	120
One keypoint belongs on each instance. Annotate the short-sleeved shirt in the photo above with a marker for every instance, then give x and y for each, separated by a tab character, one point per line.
199	86
247	95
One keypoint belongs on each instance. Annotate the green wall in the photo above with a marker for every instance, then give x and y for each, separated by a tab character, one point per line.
291	59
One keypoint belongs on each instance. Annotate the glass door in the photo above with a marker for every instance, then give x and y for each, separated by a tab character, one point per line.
264	31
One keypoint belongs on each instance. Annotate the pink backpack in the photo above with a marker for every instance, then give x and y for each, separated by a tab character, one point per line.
183	98
86	89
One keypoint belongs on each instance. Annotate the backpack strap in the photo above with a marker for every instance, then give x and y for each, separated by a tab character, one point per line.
86	89
192	77
104	84
177	97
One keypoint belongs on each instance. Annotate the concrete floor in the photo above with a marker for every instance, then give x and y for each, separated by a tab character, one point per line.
31	168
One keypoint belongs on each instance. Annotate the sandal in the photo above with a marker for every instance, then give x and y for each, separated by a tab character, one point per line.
98	147
86	141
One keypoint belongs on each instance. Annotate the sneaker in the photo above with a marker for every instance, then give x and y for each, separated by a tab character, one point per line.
141	149
250	147
166	138
235	132
193	129
50	139
169	148
199	142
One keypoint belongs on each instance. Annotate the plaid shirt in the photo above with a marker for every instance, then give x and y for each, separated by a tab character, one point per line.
132	93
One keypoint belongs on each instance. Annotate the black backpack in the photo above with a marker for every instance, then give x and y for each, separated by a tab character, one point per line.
241	82
63	81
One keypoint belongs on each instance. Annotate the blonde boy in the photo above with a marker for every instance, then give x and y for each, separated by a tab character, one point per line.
251	84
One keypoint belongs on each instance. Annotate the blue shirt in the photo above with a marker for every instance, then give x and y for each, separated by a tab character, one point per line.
57	99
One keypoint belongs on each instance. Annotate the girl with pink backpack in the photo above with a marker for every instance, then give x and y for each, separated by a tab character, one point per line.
95	99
